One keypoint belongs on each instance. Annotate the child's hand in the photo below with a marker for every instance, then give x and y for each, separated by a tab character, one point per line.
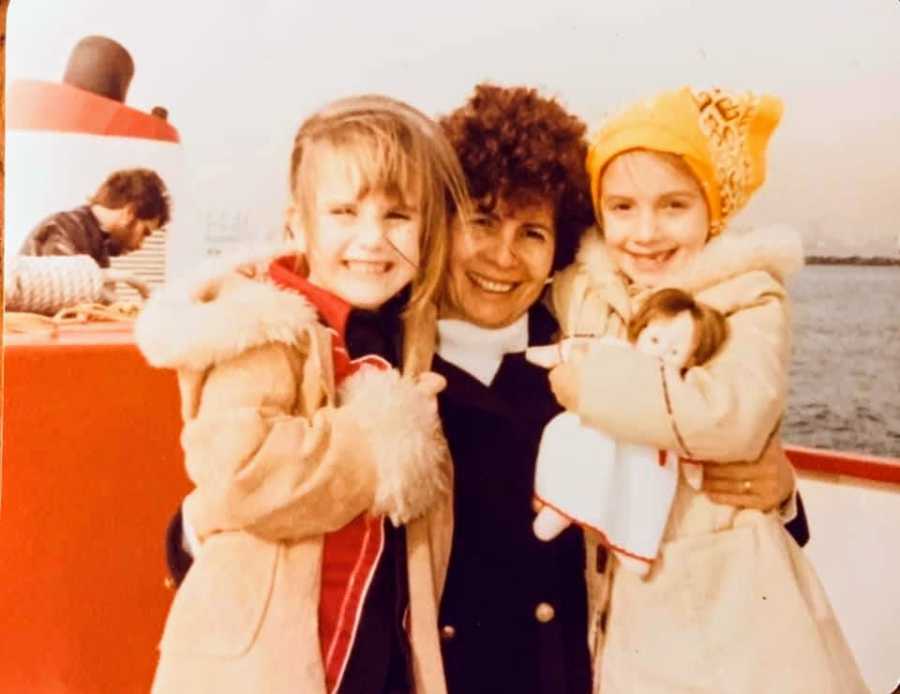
430	384
564	384
548	356
545	356
549	523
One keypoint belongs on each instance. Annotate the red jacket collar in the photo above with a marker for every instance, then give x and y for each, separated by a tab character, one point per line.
333	309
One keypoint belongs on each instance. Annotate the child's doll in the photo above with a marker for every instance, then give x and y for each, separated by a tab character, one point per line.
624	491
732	605
300	434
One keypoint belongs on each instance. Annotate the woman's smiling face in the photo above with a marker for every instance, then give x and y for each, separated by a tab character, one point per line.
655	216
499	262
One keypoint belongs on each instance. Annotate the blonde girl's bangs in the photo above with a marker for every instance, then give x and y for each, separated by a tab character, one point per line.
379	157
394	148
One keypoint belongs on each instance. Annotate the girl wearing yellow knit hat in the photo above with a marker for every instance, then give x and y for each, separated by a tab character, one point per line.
729	604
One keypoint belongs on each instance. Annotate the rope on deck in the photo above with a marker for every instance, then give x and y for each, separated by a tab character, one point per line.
44	292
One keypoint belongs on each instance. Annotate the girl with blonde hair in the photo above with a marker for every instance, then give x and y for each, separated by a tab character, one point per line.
310	425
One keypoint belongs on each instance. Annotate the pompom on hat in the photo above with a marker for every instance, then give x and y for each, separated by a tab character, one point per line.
721	136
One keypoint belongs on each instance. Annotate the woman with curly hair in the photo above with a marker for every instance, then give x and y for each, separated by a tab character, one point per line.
513	617
518	614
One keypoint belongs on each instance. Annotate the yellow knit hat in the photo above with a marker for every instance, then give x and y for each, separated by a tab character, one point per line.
721	136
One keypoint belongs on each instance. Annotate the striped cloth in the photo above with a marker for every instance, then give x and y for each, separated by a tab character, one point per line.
46	285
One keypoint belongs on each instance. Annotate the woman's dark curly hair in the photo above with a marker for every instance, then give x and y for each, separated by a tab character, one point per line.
520	147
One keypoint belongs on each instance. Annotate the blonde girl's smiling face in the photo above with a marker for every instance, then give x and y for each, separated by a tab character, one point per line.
654	214
361	244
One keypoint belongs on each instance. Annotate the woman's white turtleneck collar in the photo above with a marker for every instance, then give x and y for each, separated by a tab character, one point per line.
479	351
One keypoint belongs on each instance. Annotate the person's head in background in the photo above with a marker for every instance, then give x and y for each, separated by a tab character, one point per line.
668	173
100	65
130	205
523	157
374	184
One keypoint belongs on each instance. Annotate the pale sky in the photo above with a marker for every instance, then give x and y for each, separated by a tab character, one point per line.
238	77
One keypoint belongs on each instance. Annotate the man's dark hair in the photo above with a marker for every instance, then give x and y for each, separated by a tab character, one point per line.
142	188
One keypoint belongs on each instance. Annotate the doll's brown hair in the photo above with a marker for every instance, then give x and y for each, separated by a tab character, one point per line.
711	329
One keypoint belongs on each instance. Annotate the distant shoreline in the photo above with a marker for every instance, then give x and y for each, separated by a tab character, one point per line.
850	260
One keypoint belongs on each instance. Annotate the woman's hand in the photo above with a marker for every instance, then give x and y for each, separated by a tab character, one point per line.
562	359
764	484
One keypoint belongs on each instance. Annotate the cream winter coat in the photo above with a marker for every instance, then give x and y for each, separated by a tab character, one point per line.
731	606
279	457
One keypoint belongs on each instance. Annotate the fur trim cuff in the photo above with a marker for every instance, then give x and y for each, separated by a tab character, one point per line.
410	454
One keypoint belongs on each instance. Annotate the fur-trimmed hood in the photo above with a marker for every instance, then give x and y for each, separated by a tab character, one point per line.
197	323
731	271
776	250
